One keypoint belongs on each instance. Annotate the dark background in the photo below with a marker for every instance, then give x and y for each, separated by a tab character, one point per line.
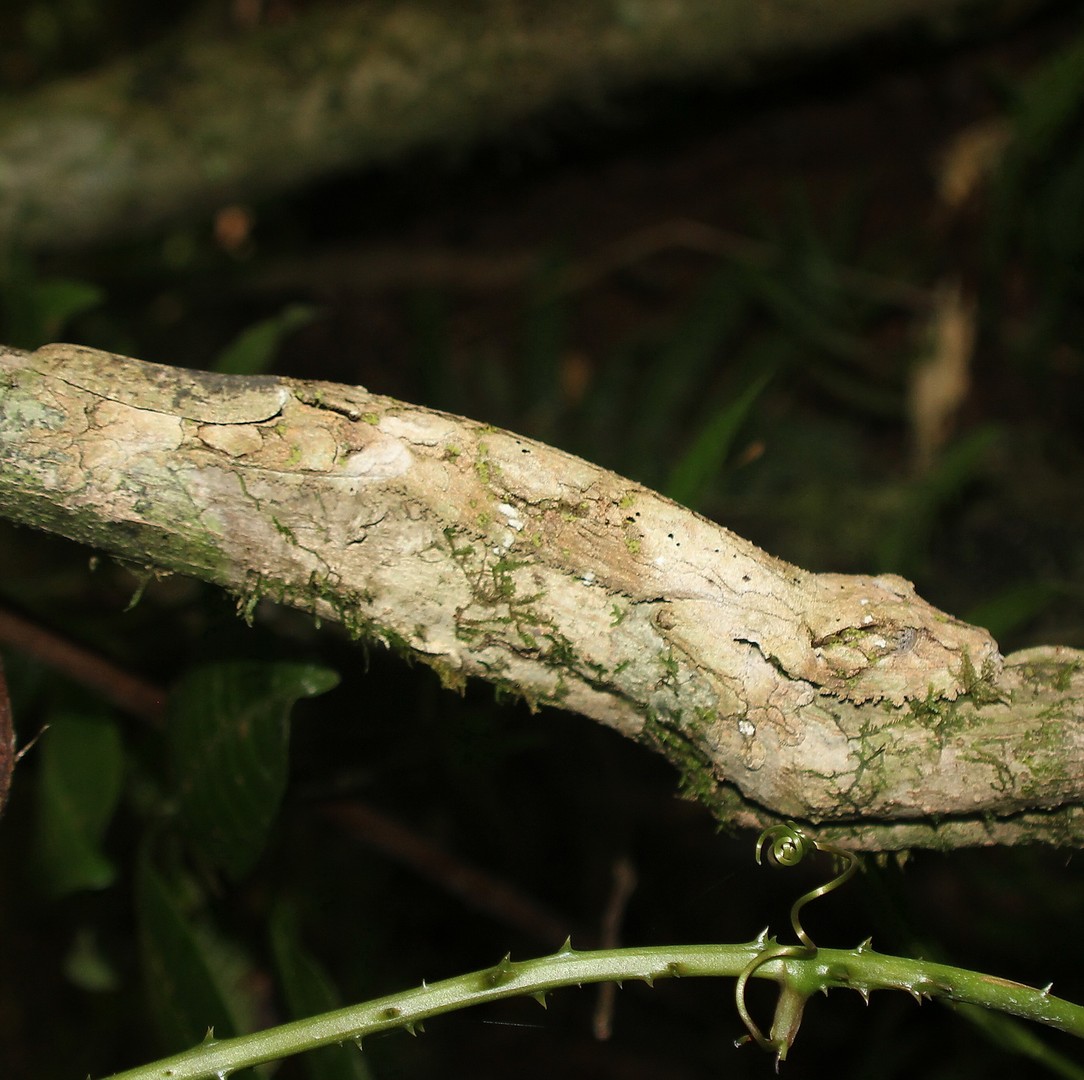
828	175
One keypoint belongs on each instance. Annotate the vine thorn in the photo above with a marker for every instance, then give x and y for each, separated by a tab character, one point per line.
1046	989
502	972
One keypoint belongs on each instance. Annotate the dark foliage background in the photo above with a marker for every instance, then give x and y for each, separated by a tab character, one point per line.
724	295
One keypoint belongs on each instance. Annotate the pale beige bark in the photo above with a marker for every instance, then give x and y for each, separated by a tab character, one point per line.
845	701
198	121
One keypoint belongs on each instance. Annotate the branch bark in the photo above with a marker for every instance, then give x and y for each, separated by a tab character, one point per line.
844	701
191	125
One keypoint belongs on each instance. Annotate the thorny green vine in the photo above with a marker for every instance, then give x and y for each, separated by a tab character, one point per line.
788	846
801	970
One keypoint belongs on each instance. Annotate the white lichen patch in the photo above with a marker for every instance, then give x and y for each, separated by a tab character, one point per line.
421	430
511	515
383	459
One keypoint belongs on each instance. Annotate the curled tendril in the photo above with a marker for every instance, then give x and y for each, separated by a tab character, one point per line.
788	846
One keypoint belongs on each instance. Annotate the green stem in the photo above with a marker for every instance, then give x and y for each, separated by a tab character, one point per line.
859	969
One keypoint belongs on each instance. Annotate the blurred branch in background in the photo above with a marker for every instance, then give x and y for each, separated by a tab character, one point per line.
195	122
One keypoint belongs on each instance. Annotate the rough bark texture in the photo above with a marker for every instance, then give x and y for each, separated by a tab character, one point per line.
844	701
190	125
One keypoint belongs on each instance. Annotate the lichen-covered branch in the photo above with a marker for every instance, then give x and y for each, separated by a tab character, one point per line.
192	124
844	701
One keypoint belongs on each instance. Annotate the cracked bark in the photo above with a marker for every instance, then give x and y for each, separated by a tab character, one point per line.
844	701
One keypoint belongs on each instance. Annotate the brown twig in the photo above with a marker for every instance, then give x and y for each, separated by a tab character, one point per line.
391	268
624	884
127	692
7	741
475	887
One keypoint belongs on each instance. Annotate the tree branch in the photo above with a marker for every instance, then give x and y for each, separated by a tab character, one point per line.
192	124
845	701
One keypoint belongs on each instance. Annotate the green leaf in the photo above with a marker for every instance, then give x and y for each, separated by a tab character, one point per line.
688	358
1049	100
1006	611
710	448
253	350
903	546
229	733
35	312
87	965
82	765
307	991
183	967
58	301
807	318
